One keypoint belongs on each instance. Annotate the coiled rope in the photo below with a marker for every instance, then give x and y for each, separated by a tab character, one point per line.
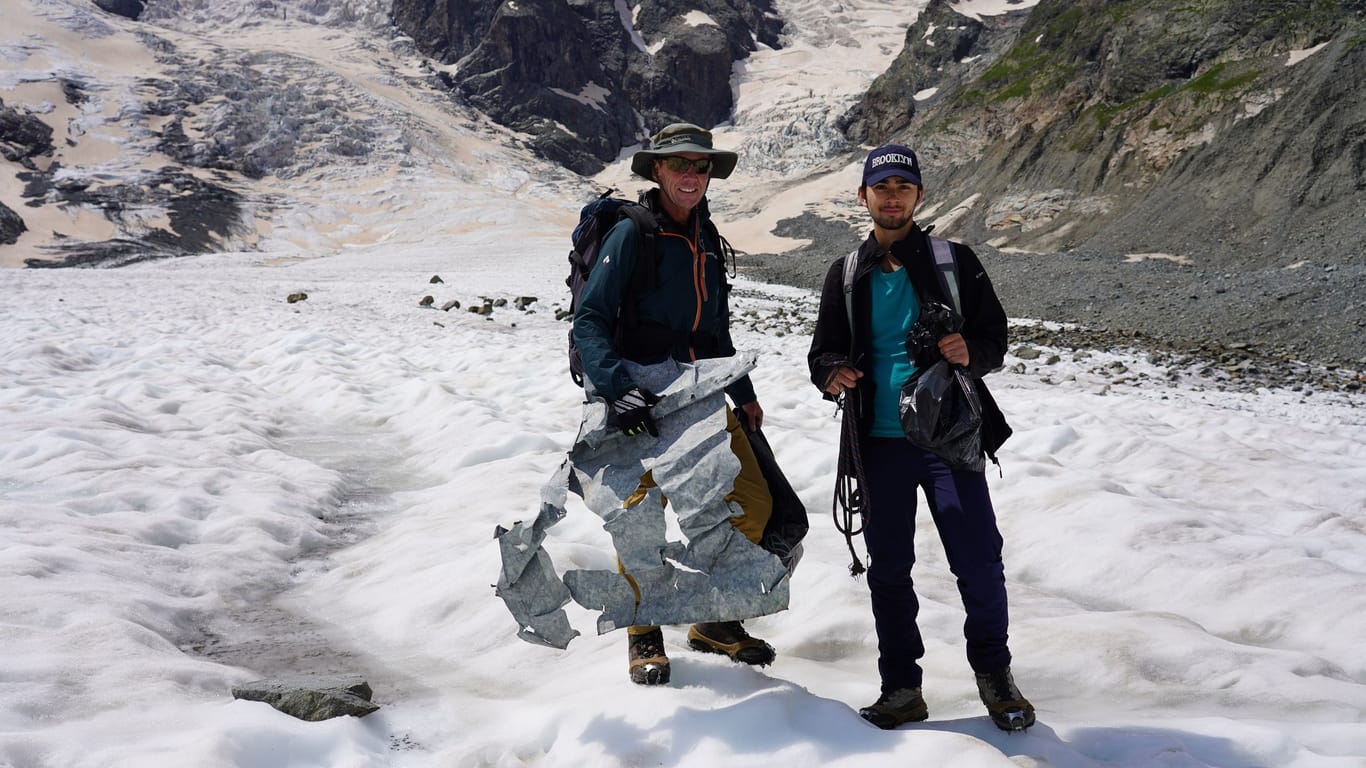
850	494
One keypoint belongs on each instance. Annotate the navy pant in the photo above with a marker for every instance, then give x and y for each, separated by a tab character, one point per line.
961	508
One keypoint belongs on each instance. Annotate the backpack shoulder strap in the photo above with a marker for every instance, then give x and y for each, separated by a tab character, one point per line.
724	249
947	269
647	229
646	223
850	270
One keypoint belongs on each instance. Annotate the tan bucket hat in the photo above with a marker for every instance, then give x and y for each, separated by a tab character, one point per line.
680	138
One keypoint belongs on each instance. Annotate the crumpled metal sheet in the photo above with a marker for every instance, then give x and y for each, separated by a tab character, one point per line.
717	574
527	582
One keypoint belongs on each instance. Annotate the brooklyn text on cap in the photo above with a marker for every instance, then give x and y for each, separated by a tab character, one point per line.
679	139
891	160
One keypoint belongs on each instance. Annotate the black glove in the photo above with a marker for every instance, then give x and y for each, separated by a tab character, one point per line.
633	412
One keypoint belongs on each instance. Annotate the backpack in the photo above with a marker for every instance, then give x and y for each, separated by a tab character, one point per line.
595	220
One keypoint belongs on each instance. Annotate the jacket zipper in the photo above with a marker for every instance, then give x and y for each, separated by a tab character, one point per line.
698	279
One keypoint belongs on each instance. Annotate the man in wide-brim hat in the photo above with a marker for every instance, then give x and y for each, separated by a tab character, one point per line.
683	314
682	161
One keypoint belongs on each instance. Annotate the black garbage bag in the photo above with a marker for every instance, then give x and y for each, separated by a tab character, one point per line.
941	413
940	409
788	525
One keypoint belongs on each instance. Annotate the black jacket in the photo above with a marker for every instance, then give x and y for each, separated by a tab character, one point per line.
984	325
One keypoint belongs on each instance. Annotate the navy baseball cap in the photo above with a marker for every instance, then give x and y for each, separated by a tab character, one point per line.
891	160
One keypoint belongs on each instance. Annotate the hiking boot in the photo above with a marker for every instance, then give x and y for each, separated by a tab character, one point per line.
903	705
649	665
729	638
1009	709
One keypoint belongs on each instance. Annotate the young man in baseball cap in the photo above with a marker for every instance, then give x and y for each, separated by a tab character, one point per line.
858	355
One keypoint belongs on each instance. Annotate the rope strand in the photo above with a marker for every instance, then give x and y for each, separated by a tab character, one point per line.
849	486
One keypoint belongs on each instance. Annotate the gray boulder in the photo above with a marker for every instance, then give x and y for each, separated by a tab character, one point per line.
311	698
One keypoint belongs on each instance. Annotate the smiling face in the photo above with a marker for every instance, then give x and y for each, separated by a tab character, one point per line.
681	191
891	202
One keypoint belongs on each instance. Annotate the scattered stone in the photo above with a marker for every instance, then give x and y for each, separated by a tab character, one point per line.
1240	366
427	301
448	306
522	302
312	698
436	279
295	298
482	309
1026	353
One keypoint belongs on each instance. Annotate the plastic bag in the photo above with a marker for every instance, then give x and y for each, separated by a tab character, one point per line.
941	413
939	406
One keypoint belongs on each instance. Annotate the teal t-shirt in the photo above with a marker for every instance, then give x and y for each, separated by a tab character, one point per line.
895	309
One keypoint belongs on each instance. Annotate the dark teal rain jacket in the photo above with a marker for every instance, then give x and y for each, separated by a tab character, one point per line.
685	315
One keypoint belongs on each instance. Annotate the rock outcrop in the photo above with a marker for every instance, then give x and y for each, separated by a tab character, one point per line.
130	9
23	136
944	51
578	76
11	225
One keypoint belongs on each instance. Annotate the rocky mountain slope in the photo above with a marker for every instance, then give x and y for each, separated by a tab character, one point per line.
285	126
1218	131
1185	168
1190	171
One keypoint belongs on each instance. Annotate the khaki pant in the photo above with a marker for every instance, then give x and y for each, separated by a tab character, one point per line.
750	493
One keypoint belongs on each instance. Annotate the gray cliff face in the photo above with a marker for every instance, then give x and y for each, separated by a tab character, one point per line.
572	74
1140	125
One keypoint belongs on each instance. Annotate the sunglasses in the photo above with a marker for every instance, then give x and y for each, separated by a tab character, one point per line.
683	164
